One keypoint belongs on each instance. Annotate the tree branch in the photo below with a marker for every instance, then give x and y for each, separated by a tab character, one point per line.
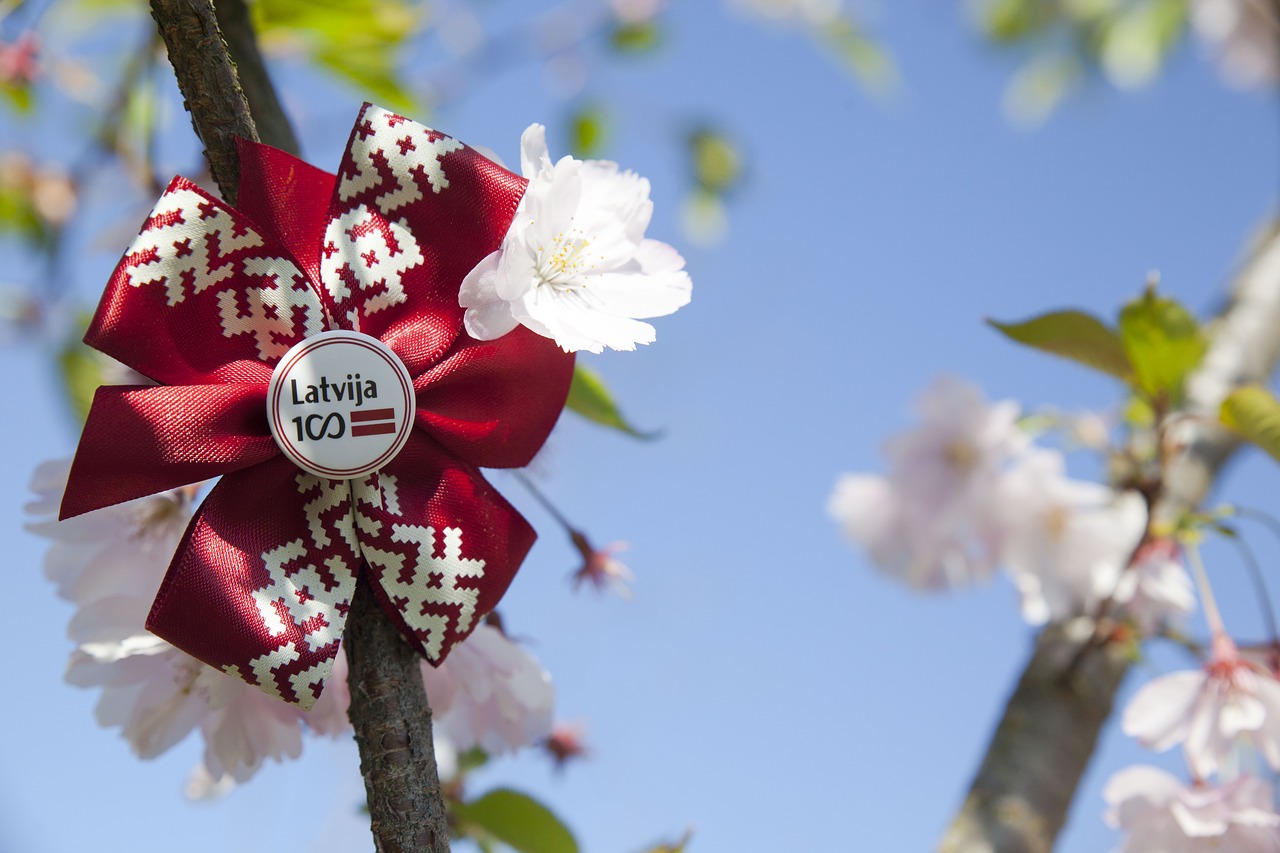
393	730
242	43
209	85
389	707
1019	799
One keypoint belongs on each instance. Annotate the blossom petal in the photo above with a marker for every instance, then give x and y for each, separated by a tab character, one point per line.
576	325
262	581
1159	714
440	544
534	156
413	212
491	693
1268	736
492	403
642	296
488	315
142	440
288	198
197	259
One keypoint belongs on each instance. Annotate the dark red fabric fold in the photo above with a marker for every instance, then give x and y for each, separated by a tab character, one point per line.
263	578
440	544
202	296
139	440
400	178
493	403
288	198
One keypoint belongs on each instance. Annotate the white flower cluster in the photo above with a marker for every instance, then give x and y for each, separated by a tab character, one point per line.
1229	707
967	491
109	563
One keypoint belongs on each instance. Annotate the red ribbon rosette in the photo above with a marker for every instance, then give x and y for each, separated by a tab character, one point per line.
208	301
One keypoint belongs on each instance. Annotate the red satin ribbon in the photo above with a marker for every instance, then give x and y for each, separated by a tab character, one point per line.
205	302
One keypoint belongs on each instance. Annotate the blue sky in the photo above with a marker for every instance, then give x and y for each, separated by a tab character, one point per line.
763	685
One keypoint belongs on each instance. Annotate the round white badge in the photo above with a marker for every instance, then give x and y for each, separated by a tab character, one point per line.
340	404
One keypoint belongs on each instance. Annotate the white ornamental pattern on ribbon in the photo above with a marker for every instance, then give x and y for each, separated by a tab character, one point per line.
308	592
190	244
363	258
438	588
386	146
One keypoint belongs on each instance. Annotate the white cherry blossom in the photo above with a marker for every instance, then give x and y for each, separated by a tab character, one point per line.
1160	813
1156	588
575	265
931	521
1210	711
110	563
1066	542
490	693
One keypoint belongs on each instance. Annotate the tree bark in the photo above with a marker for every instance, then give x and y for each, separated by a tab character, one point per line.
264	104
209	84
393	730
389	707
1019	799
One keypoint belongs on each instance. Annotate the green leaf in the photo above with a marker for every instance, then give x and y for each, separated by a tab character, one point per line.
1254	413
372	71
1012	20
587	131
358	41
1076	335
717	164
589	397
20	97
472	759
1164	344
638	37
517	820
869	60
1041	85
81	370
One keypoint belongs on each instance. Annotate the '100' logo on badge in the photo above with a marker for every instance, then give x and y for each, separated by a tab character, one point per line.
340	404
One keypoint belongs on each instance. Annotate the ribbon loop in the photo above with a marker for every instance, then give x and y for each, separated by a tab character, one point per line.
202	296
440	549
263	579
141	440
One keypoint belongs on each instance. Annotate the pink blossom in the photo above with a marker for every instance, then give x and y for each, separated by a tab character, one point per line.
1210	710
1065	542
1156	588
566	743
1159	813
599	566
930	522
490	693
18	59
109	563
